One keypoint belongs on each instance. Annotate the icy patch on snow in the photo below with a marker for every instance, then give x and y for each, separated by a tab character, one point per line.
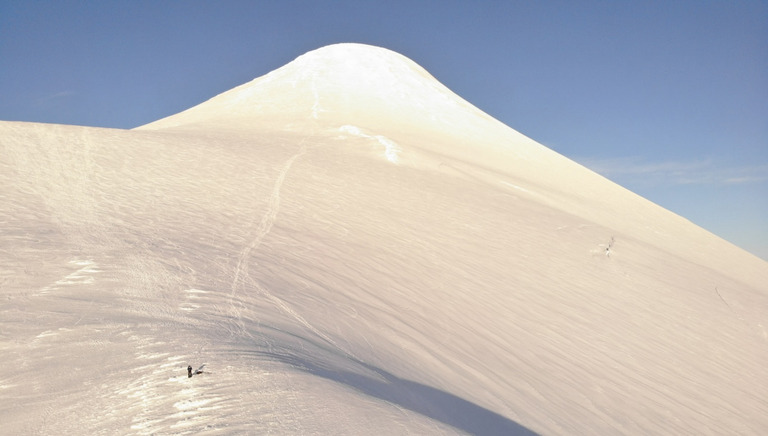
46	334
150	356
353	130
82	276
517	187
49	333
189	306
391	149
185	405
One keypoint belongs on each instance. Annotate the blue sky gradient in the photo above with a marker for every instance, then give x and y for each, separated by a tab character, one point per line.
667	98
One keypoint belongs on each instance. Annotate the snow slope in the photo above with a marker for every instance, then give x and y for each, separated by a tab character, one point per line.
351	248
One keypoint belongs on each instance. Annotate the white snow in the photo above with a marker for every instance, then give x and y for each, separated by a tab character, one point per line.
391	150
350	248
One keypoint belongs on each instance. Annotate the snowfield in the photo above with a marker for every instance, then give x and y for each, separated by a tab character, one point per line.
350	248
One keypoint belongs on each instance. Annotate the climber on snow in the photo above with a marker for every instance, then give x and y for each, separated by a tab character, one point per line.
190	373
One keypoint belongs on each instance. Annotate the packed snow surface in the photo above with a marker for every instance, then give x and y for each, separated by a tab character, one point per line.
344	246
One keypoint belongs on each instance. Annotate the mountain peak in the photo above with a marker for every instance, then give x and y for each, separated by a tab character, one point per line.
354	58
376	93
338	84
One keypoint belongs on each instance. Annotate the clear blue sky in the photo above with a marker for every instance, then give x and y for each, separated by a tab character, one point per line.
667	98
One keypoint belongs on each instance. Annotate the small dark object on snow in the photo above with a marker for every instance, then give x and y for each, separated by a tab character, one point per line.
190	373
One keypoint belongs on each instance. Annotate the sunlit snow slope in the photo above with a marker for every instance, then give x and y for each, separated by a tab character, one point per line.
350	248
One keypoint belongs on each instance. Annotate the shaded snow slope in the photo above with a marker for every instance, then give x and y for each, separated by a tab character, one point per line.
344	266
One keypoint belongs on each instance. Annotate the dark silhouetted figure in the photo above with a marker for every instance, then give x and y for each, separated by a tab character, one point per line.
190	373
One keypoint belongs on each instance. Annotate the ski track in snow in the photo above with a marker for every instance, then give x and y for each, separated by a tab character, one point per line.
267	220
242	278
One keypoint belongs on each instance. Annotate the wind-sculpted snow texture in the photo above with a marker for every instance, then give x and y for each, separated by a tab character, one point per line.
350	248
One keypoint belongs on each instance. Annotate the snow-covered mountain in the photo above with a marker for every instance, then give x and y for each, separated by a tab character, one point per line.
351	248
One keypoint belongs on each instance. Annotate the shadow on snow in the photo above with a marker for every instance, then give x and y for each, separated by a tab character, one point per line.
425	400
